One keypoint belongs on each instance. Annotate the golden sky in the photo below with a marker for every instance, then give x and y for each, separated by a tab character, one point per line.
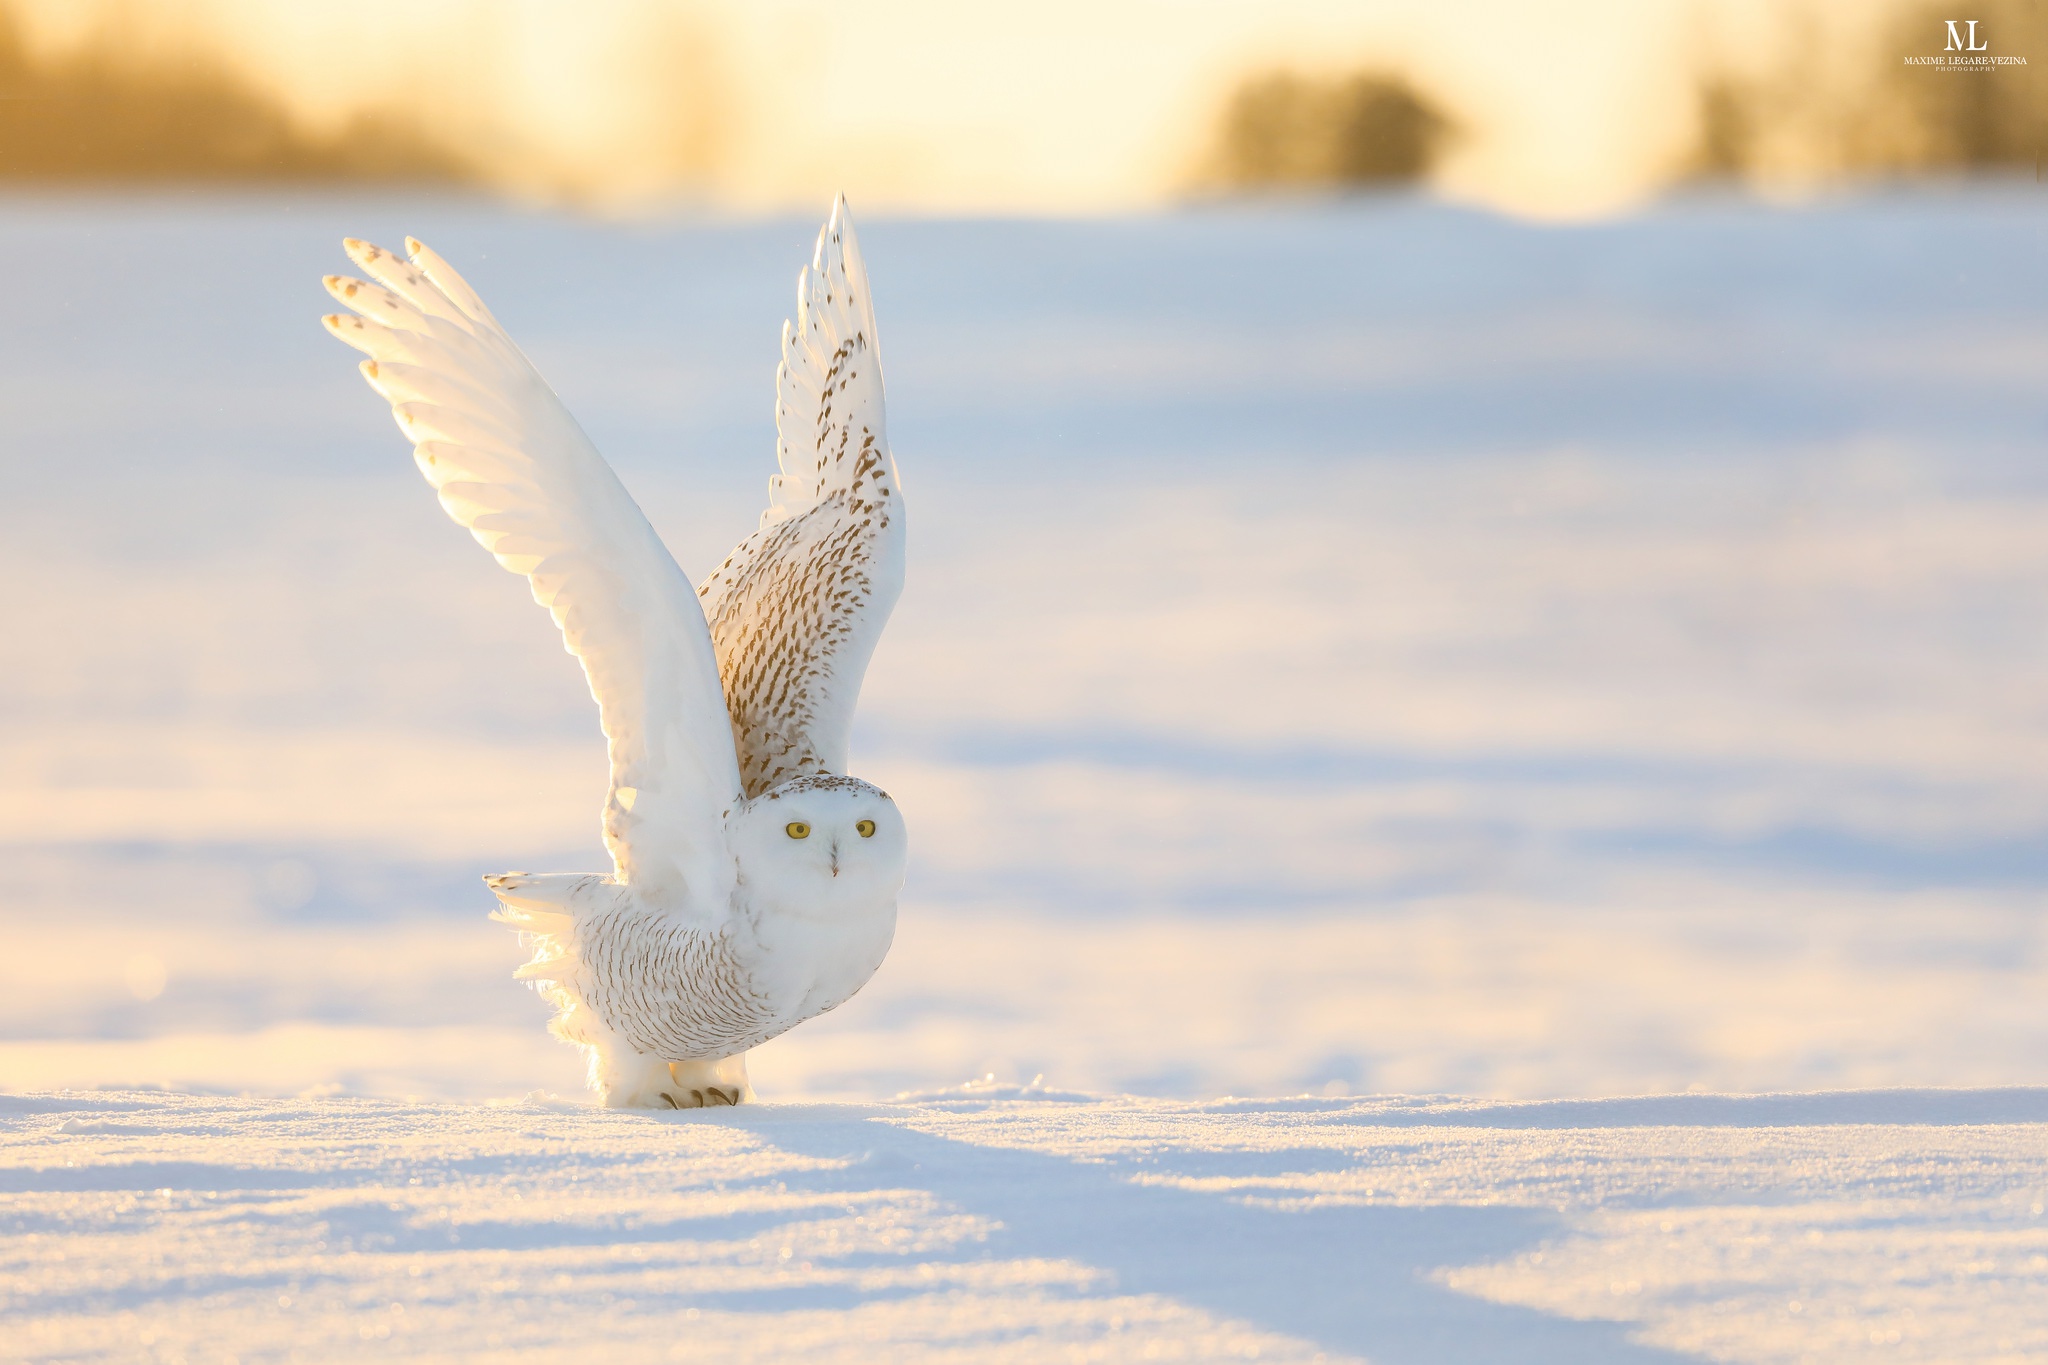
1570	108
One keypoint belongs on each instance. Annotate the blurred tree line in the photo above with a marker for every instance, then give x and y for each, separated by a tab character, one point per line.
1807	120
1280	130
105	114
114	111
1828	110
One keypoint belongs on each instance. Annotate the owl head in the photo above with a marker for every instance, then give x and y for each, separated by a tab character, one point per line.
819	845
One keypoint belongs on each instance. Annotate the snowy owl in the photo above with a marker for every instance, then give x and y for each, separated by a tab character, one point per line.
753	883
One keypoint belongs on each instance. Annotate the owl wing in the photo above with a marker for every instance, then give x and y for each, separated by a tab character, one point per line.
796	609
510	463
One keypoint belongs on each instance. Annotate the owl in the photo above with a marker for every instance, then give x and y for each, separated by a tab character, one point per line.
753	883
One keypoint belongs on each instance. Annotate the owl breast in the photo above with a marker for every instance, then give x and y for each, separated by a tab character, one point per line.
675	989
689	992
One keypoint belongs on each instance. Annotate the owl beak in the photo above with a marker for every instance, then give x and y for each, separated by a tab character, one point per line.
835	857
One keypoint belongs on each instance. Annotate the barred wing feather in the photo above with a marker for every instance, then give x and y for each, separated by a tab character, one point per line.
797	608
510	464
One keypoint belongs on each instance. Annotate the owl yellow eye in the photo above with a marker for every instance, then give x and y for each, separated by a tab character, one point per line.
797	829
866	828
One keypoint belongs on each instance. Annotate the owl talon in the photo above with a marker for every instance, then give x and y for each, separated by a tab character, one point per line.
704	1097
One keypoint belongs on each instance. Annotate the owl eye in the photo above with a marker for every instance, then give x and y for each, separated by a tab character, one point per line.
866	828
797	829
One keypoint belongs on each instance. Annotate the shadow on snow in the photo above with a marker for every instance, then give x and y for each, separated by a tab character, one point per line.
1354	1278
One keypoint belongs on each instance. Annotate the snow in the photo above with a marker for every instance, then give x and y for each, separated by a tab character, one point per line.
1360	650
1015	1223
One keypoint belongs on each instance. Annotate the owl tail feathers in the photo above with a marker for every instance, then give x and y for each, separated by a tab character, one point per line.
537	902
542	907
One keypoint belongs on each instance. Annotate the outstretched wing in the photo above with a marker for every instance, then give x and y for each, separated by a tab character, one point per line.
511	464
796	610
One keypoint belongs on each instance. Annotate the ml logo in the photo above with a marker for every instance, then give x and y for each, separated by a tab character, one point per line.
1955	38
1968	50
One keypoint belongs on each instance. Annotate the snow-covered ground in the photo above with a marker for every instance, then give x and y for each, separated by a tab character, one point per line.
1361	650
1032	1226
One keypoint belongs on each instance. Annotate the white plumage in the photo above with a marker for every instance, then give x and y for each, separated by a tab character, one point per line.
753	884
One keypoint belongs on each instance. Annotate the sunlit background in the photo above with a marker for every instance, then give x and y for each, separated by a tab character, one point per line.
1490	548
1571	108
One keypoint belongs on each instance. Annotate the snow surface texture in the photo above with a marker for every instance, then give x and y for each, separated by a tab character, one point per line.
1030	1226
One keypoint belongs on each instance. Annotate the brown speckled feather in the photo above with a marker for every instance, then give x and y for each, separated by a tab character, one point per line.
796	609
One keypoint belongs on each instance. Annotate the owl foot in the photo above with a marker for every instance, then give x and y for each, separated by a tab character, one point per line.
635	1080
707	1085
